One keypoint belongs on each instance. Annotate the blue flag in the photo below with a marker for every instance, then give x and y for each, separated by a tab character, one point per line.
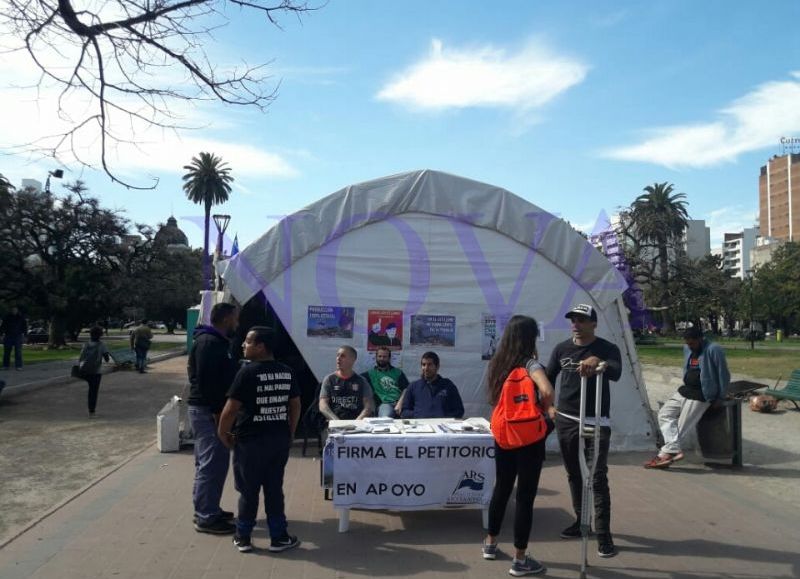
235	248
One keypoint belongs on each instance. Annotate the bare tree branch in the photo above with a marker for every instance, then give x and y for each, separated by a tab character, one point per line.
118	53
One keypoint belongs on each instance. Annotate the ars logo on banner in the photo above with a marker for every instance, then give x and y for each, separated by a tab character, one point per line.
468	490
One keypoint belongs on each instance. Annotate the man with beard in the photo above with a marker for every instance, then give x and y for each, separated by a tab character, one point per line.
211	371
388	384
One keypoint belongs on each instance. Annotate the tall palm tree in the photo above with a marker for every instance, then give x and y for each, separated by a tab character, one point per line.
660	217
208	183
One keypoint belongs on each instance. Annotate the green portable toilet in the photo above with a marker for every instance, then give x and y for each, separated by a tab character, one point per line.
192	315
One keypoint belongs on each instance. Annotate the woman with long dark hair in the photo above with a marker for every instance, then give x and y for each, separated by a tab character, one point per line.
517	348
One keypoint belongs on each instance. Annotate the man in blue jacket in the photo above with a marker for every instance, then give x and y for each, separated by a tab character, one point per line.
705	382
432	396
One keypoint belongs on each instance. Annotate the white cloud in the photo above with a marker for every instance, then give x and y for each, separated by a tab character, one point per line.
729	220
484	77
755	121
28	114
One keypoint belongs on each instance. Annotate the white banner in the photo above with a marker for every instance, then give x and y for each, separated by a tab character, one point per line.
411	471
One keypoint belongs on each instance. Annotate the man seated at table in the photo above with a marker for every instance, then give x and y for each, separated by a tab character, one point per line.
388	384
345	395
432	396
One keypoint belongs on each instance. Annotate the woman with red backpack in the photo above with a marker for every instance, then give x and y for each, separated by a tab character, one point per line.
520	393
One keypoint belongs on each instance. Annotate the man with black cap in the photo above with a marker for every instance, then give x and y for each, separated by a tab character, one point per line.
580	356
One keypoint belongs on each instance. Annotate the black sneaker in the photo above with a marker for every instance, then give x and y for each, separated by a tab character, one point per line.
605	545
223	515
573	531
243	544
217	527
283	543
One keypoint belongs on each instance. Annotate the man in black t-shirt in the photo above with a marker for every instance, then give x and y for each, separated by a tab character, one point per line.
258	422
574	358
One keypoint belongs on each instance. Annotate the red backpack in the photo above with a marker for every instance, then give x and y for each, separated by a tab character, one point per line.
517	420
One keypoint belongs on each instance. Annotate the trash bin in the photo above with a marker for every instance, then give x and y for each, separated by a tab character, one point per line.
168	426
719	433
779	336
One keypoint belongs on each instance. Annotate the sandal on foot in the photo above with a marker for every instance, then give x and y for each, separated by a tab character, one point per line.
659	461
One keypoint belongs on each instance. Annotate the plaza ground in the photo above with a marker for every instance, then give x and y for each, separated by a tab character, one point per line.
125	509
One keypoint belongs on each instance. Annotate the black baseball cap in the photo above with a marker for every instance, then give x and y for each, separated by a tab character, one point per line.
582	310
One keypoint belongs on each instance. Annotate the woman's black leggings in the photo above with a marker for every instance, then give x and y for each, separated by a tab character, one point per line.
523	465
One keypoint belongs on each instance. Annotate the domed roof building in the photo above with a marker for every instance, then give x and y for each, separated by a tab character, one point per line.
172	236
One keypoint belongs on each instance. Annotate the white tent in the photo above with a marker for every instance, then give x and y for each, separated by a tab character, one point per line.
451	257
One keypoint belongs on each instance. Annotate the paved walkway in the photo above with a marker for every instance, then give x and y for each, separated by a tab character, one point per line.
136	521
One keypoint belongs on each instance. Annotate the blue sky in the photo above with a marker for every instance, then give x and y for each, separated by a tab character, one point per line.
575	106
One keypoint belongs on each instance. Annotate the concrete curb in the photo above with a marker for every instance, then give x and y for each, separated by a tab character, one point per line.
66	378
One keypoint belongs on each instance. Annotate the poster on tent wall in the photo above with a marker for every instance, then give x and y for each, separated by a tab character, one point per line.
491	329
385	328
330	322
430	330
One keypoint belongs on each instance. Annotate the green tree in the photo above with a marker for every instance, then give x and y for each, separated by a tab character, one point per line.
659	218
60	256
776	289
207	183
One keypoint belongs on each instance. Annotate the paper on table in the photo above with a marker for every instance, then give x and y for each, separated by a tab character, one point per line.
417	428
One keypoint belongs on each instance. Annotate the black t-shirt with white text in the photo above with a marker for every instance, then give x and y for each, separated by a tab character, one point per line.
264	389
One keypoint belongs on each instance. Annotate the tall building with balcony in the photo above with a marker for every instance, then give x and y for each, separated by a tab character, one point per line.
736	251
779	198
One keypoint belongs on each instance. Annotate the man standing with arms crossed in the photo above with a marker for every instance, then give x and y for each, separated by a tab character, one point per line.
211	371
575	358
258	423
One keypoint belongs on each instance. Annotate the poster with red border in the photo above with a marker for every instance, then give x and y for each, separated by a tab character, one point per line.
384	328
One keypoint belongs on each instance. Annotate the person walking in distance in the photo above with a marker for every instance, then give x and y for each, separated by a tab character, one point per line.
523	465
141	338
90	362
258	423
573	359
211	370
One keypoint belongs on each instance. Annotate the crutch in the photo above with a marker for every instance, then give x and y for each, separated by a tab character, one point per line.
588	467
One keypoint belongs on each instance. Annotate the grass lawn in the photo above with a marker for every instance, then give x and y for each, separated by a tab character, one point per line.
35	354
762	362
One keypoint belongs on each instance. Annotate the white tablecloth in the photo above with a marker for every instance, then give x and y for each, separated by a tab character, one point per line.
405	471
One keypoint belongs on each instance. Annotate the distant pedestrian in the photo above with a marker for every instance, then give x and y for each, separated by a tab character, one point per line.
90	363
141	338
14	328
258	422
211	371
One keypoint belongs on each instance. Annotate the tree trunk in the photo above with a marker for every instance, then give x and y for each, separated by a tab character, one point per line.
664	302
58	327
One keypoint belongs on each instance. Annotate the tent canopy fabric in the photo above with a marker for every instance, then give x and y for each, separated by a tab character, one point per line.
428	250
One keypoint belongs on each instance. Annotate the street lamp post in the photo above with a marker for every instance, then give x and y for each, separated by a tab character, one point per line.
749	273
58	174
221	221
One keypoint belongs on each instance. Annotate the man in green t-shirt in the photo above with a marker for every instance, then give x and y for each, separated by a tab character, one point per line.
388	384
